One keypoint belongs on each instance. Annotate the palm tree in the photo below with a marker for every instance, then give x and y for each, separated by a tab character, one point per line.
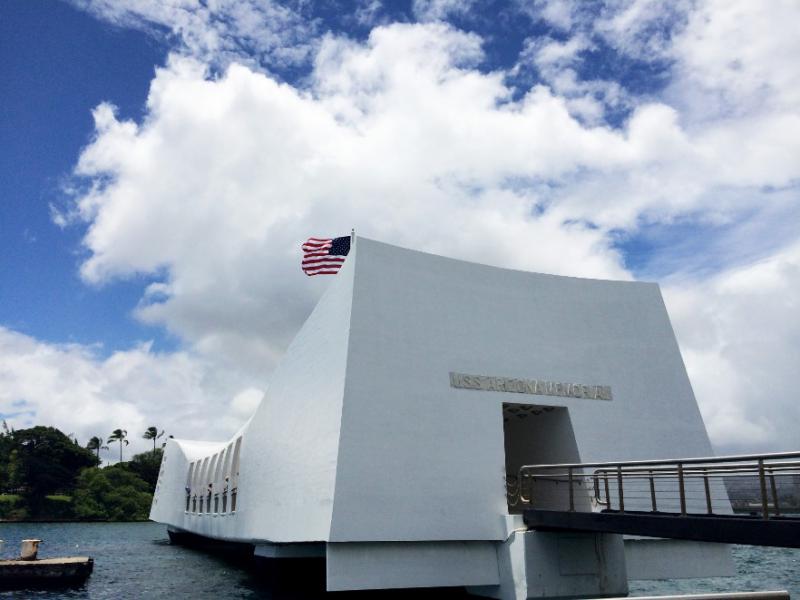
118	435
152	434
96	444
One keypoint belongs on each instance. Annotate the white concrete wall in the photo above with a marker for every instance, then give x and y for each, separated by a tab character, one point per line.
421	460
536	564
289	451
386	565
361	438
648	558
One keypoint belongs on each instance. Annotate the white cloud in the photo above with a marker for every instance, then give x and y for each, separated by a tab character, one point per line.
556	63
557	13
639	29
75	389
740	336
738	58
257	32
397	138
369	12
403	138
436	10
642	29
246	402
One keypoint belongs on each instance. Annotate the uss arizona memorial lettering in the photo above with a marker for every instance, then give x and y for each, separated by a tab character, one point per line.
530	386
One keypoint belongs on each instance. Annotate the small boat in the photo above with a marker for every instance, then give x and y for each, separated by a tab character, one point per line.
28	571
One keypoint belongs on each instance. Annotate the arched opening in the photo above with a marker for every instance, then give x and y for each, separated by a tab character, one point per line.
188	486
217	482
199	485
226	475
209	481
235	474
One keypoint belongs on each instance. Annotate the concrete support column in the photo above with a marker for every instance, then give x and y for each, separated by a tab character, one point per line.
559	565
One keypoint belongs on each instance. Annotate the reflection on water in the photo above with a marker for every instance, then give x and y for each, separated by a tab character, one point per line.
136	560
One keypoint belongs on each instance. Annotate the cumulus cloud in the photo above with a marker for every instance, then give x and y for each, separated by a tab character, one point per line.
76	389
398	138
556	64
740	337
405	138
737	60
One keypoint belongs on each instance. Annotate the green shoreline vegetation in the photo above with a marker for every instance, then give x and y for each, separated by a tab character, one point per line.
46	475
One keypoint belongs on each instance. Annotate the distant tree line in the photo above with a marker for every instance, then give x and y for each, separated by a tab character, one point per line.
45	474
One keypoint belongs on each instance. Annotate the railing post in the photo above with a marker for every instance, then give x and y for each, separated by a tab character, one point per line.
596	481
774	492
681	489
762	480
520	488
571	492
708	491
653	492
608	491
619	489
531	488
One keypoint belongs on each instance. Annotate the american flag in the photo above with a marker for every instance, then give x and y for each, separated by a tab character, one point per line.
324	256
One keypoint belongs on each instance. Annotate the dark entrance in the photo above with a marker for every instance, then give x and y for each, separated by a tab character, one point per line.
536	434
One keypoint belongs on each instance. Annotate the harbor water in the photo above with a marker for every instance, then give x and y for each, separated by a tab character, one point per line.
136	560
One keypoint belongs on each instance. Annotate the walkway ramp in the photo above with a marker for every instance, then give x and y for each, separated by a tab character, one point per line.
683	499
782	532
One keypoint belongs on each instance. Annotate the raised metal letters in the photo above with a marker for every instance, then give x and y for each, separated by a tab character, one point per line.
530	386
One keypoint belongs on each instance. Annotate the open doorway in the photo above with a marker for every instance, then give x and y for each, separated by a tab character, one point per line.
538	435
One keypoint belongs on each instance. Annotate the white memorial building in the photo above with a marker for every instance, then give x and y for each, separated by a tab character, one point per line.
414	391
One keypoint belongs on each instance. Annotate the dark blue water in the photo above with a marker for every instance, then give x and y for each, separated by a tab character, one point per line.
131	560
136	560
757	569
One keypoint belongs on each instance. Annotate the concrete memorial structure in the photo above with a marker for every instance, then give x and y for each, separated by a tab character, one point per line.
415	390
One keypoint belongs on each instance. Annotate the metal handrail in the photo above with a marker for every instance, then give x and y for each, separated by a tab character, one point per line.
670	461
680	470
669	474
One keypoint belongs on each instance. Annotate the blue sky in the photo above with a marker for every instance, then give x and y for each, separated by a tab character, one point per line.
64	62
58	64
161	163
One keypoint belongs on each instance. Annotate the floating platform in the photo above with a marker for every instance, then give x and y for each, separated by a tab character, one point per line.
46	572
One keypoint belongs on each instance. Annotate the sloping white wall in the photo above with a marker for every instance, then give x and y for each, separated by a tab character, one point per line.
421	460
287	464
289	450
